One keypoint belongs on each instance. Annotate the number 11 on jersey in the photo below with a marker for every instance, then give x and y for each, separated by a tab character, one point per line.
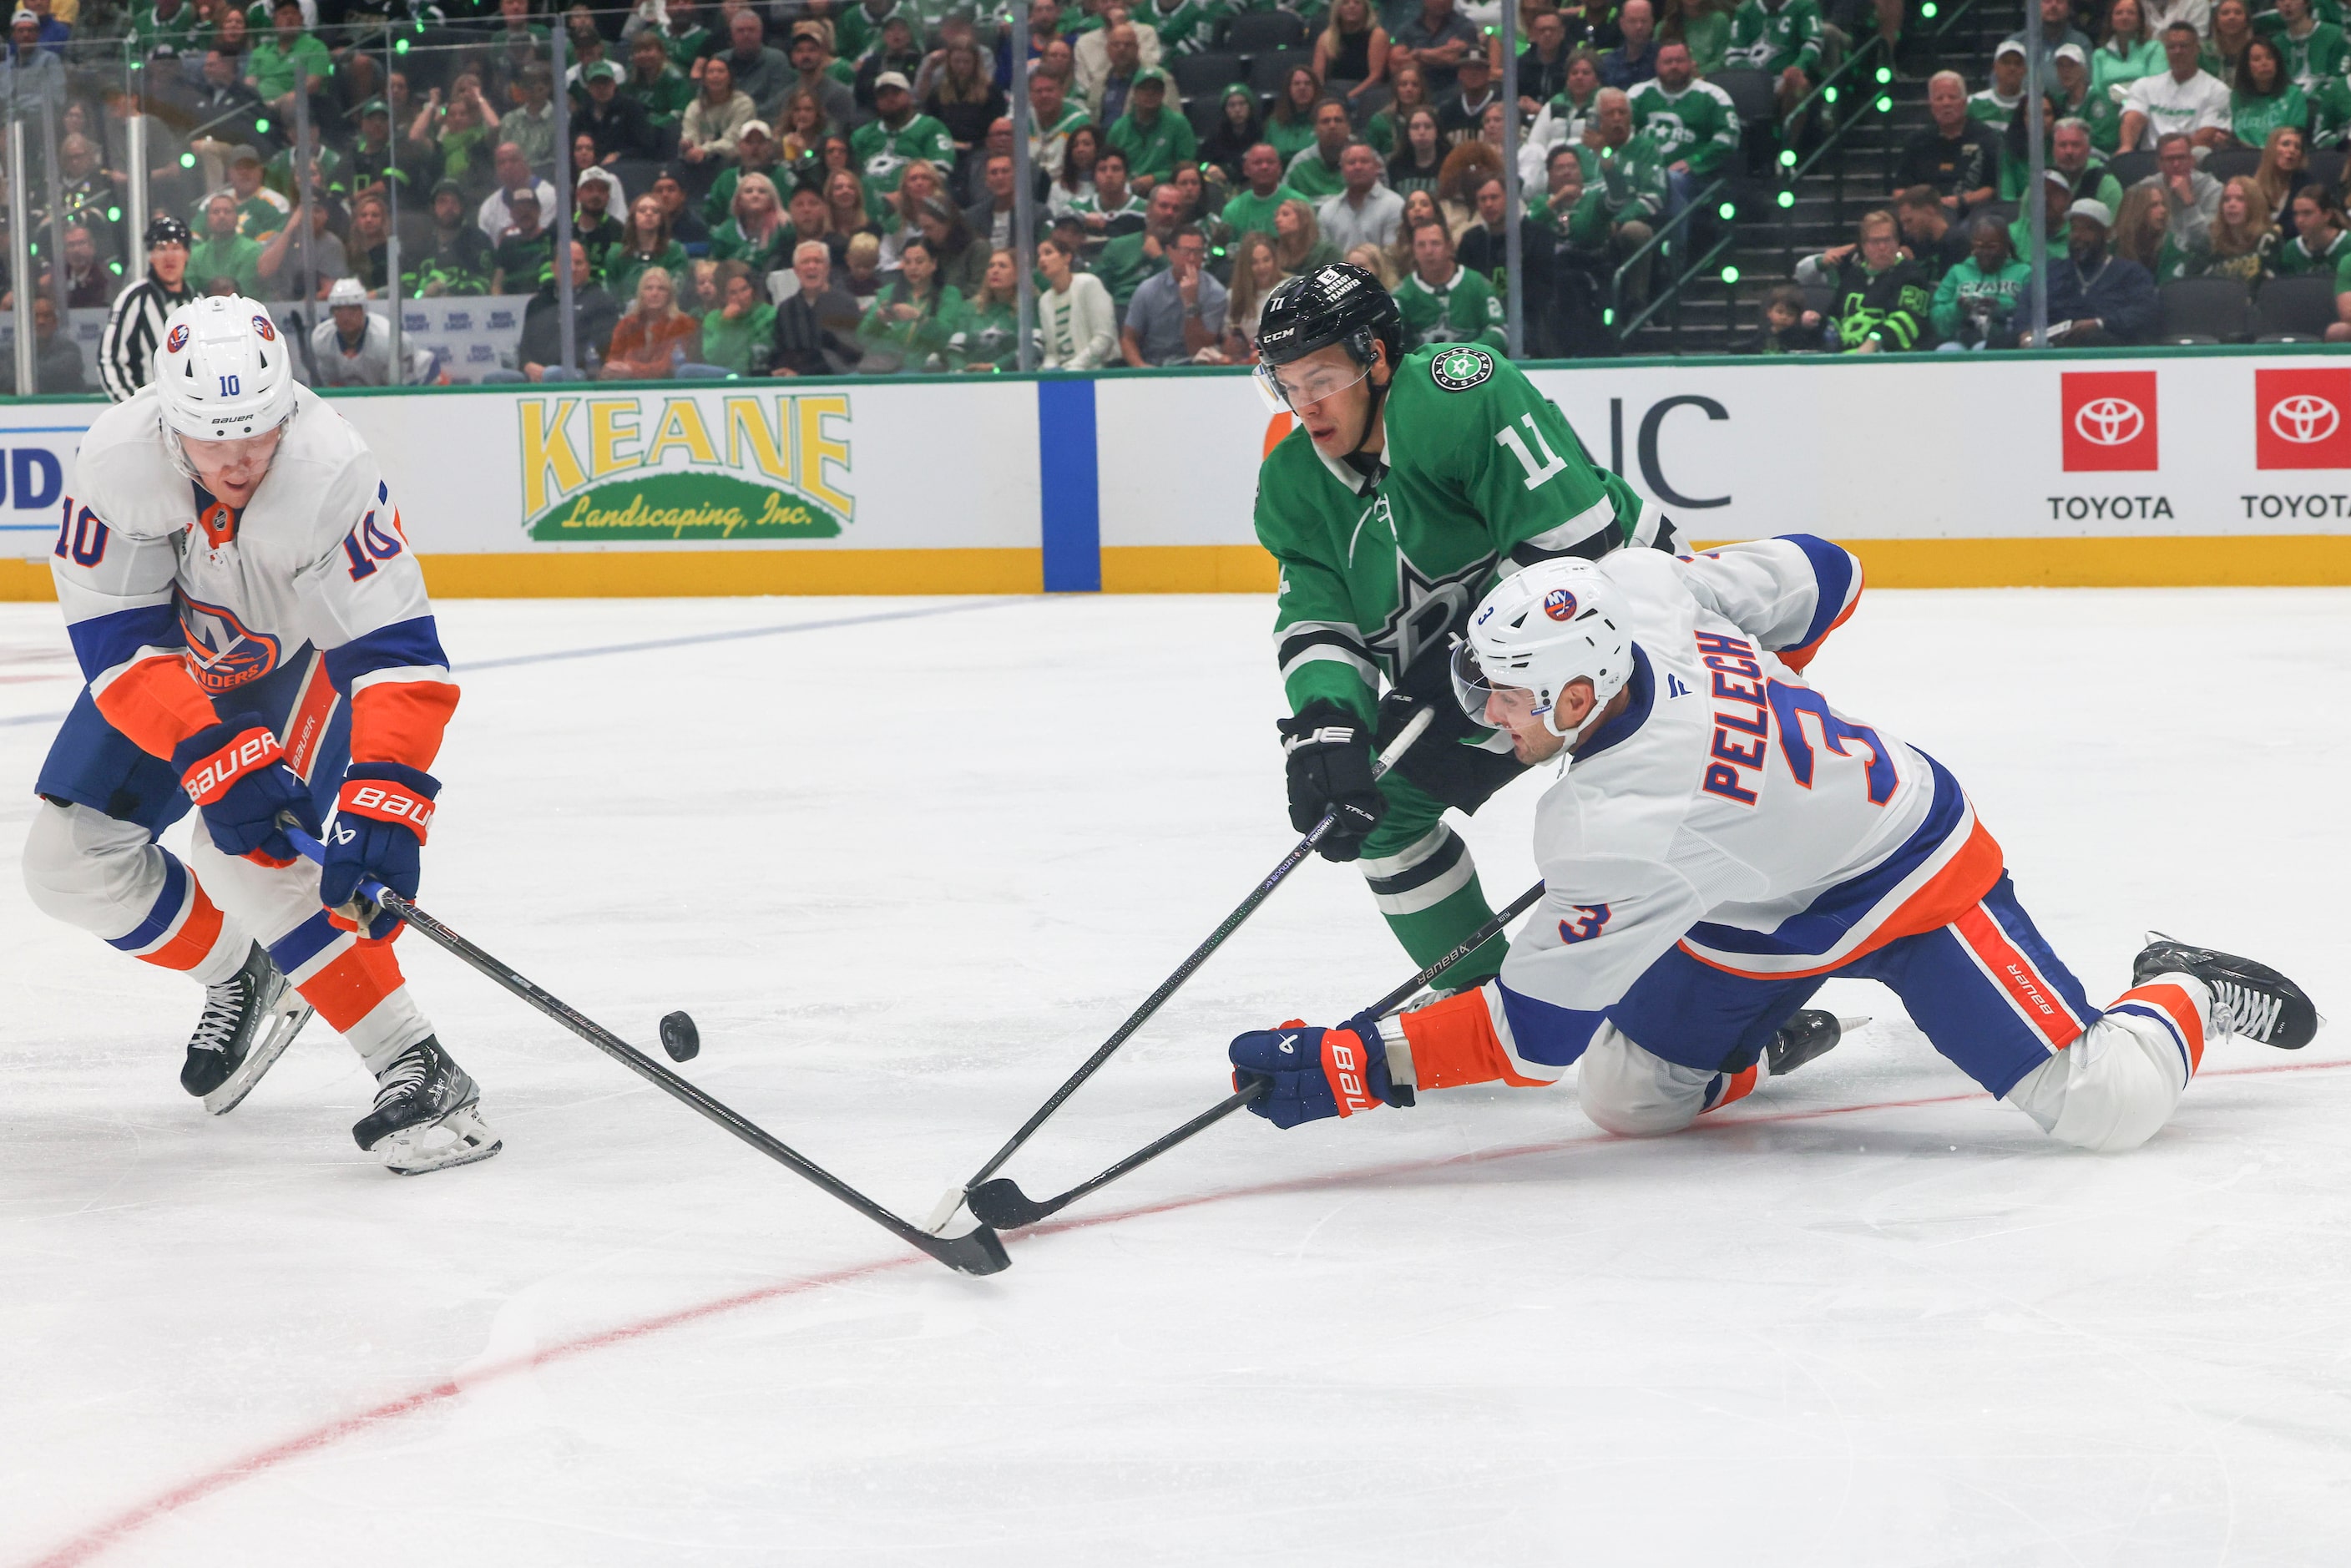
1552	462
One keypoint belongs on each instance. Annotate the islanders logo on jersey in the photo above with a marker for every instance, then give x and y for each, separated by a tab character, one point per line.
224	653
1559	604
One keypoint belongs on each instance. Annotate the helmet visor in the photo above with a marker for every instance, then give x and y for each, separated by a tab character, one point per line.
1304	381
1470	687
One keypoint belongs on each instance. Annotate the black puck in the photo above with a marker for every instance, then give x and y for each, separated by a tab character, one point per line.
680	1038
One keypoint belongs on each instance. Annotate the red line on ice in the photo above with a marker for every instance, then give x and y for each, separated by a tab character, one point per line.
90	1542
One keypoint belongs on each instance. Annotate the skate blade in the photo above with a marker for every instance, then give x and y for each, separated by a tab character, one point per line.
459	1138
283	1028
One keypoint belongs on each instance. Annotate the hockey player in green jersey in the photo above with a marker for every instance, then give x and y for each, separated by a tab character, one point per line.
1414	482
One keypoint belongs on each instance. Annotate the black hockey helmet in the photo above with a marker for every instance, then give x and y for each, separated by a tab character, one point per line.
1338	302
165	229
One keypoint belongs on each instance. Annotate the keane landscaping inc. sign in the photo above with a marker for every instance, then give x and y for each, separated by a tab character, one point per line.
647	467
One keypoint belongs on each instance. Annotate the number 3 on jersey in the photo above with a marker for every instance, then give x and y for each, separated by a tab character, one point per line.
1588	920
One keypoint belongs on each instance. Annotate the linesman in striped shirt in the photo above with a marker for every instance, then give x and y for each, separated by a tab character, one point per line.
134	329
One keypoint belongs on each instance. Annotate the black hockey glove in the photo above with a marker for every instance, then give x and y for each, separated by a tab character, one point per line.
1329	766
1449	763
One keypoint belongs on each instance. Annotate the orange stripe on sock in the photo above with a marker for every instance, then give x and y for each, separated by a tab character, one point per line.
194	939
1735	1088
1454	1043
2181	1010
352	986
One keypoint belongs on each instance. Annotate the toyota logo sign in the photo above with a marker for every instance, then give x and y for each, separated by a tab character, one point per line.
2303	419
2109	421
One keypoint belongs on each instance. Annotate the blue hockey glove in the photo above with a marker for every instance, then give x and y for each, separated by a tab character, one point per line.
237	775
1310	1073
381	818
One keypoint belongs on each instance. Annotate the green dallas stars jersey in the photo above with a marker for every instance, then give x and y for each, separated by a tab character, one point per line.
1465	311
1699	125
1765	39
1481	475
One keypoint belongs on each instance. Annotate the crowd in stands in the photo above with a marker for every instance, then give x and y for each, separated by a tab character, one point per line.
2198	139
804	187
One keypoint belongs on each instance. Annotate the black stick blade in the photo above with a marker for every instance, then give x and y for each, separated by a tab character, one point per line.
981	1251
680	1038
1002	1204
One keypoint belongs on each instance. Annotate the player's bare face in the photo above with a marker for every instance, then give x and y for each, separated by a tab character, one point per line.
1331	396
1512	708
233	470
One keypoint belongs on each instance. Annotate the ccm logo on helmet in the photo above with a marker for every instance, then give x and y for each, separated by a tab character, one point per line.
1559	604
177	340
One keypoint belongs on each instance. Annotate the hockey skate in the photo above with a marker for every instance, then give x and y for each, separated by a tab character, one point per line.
426	1115
1808	1035
248	1021
2251	1000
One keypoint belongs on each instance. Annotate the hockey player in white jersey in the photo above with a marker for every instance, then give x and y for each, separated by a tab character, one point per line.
1721	843
257	644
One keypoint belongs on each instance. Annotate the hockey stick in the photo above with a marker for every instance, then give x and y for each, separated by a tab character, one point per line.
1003	1206
979	1252
1387	760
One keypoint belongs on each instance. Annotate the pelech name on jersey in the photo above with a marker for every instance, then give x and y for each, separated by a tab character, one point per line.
1743	735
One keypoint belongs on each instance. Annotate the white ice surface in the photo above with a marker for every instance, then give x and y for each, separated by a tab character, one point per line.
906	875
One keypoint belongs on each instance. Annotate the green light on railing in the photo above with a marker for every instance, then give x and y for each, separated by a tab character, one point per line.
262	126
1787	198
400	45
1885	104
1885	75
1829	94
114	214
1728	211
1927	10
1730	275
187	160
1607	317
1788	158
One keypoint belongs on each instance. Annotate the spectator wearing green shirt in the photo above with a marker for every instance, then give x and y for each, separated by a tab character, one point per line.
1781	38
646	243
1153	139
2314	50
2129	50
1694	122
1314	173
1443	301
1975	304
742	326
661	89
883	146
2075	99
757	235
525	250
223	252
1291	125
2320	243
1130	258
1996	105
2264	96
287	60
1250	209
260	211
163	27
908	323
984	333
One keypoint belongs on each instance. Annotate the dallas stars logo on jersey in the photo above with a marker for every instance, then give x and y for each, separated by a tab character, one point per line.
1459	370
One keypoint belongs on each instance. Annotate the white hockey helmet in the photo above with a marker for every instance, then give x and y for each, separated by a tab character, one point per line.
1539	629
225	371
